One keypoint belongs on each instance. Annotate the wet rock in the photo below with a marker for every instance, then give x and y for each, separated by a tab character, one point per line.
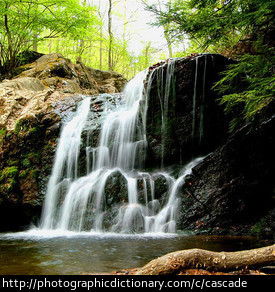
195	123
33	107
232	189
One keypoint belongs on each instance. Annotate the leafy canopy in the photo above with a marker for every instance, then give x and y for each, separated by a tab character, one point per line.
26	22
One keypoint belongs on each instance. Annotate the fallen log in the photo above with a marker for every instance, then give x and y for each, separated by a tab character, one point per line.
176	262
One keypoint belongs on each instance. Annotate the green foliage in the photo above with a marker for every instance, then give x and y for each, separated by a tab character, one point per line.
214	21
248	86
26	163
3	132
9	172
245	27
24	23
8	178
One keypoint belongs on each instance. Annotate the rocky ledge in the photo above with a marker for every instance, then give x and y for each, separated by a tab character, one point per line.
32	107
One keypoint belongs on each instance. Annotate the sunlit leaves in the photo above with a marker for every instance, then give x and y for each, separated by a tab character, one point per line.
26	22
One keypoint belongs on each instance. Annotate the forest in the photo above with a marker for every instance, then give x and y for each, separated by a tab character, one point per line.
131	129
99	32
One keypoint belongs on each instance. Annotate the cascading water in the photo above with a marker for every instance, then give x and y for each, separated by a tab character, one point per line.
79	203
165	87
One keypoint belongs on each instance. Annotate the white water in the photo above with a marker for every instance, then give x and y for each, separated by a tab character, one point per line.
79	203
165	88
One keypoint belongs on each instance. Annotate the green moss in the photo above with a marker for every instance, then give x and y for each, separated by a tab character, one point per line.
27	126
3	132
34	157
34	130
35	174
17	127
26	163
24	173
12	162
264	228
9	172
8	179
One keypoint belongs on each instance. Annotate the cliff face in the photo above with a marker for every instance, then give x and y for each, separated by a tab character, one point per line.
194	123
232	190
33	106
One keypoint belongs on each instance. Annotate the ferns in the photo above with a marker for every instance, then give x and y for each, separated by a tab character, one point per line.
248	86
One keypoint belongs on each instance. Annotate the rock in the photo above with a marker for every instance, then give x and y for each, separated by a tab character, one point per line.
59	73
230	192
189	131
33	107
28	83
232	189
108	79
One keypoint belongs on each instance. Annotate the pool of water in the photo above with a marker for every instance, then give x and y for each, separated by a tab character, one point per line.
43	253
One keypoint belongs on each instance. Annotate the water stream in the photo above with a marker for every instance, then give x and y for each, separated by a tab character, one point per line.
69	253
78	202
84	228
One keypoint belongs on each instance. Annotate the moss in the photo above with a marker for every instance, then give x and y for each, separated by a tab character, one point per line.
26	126
34	157
17	127
24	173
26	163
265	227
35	174
9	172
8	179
3	132
12	162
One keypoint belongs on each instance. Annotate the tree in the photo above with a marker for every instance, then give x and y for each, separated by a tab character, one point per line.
158	9
243	29
110	59
166	33
179	261
24	23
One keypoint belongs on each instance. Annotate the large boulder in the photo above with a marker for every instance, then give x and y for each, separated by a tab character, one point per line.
191	121
59	73
232	190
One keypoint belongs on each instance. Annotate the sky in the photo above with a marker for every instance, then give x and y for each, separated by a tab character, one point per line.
144	31
139	31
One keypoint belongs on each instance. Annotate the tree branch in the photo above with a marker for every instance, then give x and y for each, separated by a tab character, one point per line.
176	262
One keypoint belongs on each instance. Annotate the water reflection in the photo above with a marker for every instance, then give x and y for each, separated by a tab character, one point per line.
99	254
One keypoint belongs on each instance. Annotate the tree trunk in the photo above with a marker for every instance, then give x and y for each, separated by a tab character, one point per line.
169	43
176	262
110	61
35	46
166	35
11	56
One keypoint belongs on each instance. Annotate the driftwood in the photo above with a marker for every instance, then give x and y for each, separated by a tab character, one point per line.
176	262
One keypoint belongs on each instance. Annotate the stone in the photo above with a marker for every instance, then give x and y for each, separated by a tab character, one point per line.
184	135
232	189
33	106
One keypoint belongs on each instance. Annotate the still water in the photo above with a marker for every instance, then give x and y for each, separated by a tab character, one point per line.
33	253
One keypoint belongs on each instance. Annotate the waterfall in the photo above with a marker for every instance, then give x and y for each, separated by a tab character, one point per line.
201	132
195	99
199	102
78	202
165	86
